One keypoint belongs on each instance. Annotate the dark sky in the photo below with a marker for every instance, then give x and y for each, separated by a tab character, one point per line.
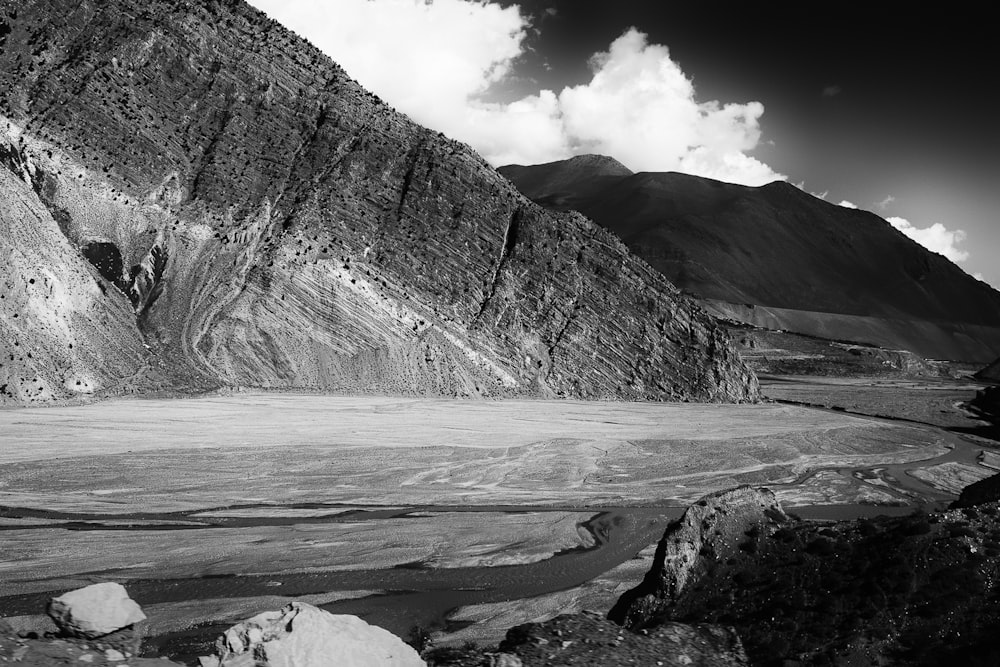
910	109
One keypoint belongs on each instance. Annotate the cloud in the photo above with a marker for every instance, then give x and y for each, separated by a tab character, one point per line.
435	61
937	238
832	91
885	202
846	204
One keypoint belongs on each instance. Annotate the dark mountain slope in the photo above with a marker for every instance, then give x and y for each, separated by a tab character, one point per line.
991	373
778	247
273	224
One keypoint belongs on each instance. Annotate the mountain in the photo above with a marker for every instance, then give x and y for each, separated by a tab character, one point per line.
777	257
191	196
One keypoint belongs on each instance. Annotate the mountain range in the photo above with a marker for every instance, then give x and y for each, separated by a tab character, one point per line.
777	257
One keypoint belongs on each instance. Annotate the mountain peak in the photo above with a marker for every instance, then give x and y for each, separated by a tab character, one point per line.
605	164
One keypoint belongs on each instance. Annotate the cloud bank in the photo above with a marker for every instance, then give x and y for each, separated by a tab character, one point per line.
937	238
435	61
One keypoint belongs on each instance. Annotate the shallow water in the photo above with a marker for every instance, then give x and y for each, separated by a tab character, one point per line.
422	596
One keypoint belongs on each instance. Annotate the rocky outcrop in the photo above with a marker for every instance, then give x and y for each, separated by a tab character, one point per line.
258	219
588	639
978	493
300	635
711	531
991	373
777	257
95	610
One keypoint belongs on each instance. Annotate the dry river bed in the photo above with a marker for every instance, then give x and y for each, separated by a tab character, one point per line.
461	517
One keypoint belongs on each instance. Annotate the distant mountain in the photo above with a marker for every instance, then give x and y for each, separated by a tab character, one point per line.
778	257
192	197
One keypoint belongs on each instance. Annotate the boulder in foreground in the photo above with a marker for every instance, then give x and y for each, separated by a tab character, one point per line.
710	531
301	635
95	611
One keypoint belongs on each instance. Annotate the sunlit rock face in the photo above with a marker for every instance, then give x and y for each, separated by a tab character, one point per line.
301	635
258	219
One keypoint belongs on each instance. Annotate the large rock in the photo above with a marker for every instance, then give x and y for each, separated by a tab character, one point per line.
711	531
228	196
95	611
984	491
301	635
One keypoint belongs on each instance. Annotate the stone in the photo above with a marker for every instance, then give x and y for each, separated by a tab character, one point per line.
301	635
95	610
710	531
506	660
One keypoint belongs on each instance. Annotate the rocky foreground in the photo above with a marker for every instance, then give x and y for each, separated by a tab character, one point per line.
735	581
191	197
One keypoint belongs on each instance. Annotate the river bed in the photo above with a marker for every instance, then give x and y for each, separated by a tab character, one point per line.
407	511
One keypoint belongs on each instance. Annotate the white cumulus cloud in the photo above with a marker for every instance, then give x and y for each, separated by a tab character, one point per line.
937	238
846	204
435	60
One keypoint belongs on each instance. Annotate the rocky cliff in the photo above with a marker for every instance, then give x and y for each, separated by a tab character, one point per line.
220	204
777	257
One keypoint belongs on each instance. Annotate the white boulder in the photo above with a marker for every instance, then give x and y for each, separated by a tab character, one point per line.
96	610
301	635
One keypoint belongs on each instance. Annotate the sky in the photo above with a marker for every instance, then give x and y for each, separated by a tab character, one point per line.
865	106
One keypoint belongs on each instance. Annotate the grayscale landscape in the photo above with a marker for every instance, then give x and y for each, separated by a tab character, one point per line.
288	378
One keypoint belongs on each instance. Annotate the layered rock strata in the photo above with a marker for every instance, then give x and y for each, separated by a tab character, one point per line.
258	219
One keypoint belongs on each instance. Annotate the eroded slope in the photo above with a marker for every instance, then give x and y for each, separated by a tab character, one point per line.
273	224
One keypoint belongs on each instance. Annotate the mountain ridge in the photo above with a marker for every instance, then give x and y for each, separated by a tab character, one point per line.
778	247
273	224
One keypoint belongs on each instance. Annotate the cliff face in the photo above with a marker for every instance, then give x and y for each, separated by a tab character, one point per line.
273	224
779	258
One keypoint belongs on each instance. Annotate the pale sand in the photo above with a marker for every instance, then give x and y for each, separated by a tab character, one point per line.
169	455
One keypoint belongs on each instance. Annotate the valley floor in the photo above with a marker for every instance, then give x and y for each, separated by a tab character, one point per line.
211	509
